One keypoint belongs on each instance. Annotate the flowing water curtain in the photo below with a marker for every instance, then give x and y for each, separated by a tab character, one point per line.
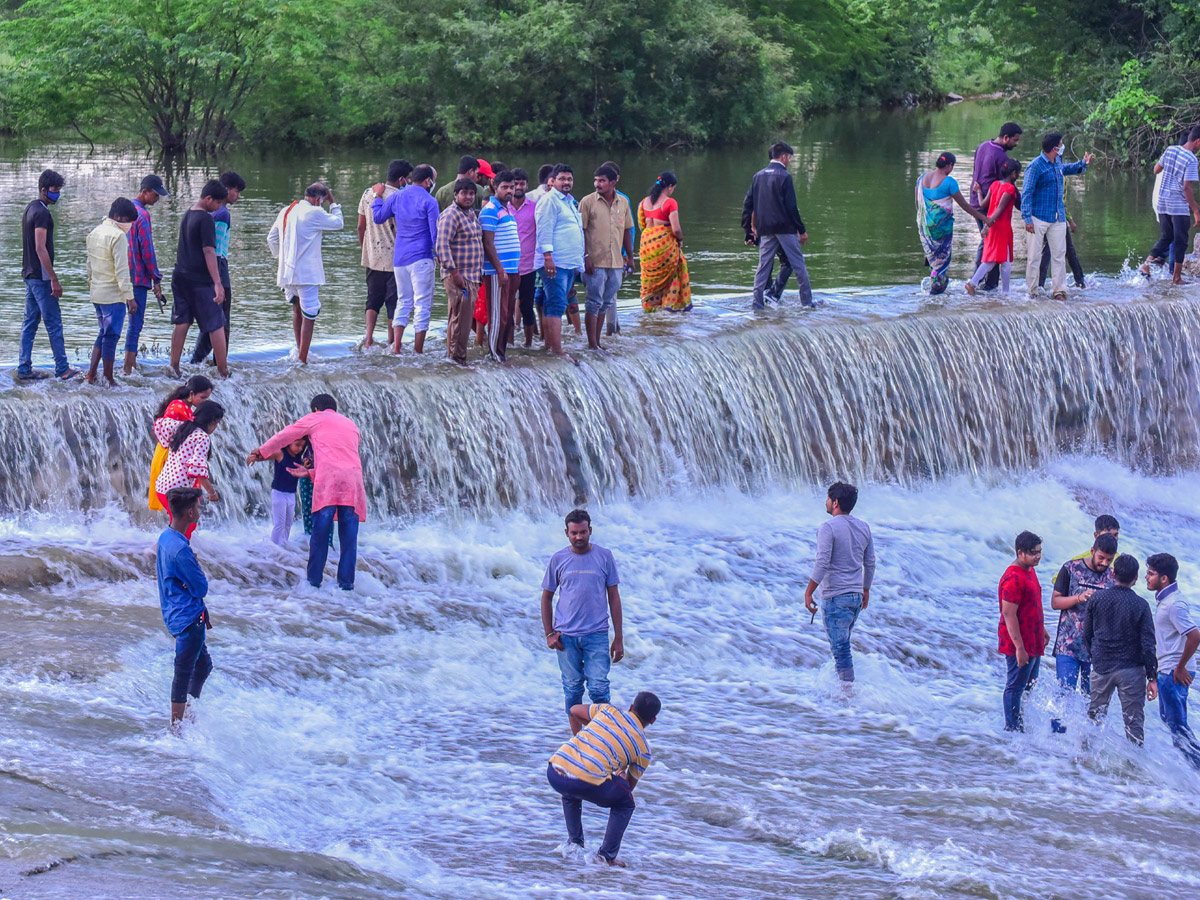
908	399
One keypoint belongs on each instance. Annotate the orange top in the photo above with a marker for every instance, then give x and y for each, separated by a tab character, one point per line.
663	212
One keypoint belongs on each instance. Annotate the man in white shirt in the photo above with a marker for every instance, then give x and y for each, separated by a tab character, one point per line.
295	240
1176	639
560	241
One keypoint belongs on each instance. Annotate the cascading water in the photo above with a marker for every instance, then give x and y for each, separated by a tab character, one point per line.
899	399
392	742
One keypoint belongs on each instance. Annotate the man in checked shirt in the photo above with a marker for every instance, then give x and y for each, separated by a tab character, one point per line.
459	251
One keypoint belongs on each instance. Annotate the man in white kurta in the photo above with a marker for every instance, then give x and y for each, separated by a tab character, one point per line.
295	240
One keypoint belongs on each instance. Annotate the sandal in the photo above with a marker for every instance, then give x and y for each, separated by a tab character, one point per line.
35	375
69	375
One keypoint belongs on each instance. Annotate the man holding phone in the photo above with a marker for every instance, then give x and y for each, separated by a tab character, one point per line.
578	627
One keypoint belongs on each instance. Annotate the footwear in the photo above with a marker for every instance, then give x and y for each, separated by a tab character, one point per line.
1060	295
69	375
35	375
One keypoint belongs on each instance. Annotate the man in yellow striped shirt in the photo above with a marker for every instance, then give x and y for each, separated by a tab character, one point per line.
602	764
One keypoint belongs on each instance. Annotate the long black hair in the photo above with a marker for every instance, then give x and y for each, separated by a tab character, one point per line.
661	183
207	413
194	385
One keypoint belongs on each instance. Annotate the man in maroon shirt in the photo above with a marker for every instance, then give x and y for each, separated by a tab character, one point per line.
1022	630
989	157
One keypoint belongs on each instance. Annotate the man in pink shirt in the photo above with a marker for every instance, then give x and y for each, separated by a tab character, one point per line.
338	488
521	207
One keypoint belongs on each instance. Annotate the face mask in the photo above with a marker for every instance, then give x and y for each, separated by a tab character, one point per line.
125	226
1061	149
53	196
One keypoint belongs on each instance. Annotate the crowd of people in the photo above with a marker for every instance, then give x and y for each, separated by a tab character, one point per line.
1049	248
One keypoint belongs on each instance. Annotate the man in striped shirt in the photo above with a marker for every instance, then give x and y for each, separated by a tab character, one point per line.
501	262
603	764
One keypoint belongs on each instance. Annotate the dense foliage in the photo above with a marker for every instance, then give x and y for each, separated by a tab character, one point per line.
200	74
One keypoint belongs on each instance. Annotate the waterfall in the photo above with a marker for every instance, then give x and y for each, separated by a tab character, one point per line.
901	399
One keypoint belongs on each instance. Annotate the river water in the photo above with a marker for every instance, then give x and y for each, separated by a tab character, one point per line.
392	742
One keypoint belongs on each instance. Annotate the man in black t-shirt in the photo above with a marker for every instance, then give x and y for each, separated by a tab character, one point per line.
196	282
42	288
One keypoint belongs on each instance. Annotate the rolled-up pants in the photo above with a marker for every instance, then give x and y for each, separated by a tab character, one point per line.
1054	234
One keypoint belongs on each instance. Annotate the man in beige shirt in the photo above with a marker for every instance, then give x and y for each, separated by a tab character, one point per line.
109	284
607	230
378	244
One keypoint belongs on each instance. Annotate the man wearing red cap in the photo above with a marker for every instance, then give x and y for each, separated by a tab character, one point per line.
477	170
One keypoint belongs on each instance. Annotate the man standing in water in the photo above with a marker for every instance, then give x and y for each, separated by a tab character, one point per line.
1045	213
578	627
198	295
1177	205
602	764
414	213
989	157
1118	632
295	240
181	591
1077	581
459	251
235	184
1023	635
42	288
378	242
1176	638
775	223
143	265
338	489
560	241
844	569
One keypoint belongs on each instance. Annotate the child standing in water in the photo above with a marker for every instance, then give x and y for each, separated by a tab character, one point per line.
998	239
290	467
182	588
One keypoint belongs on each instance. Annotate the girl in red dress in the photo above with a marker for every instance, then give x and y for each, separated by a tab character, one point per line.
998	240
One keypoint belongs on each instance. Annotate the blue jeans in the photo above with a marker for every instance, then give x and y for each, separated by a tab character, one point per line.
557	289
111	317
318	545
839	613
41	306
1073	674
192	663
136	319
584	657
615	795
1172	707
1020	681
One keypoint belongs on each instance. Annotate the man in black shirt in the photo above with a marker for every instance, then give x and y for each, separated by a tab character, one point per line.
1118	631
42	288
196	282
770	213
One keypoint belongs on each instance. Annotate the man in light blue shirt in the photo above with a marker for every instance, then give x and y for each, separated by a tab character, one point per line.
560	241
416	214
1045	213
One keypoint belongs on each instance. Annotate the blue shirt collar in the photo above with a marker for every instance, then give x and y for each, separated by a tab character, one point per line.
1167	591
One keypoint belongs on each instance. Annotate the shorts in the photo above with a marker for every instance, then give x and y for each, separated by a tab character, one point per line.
193	301
306	296
381	291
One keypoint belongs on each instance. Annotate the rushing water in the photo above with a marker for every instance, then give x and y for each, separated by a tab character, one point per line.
392	742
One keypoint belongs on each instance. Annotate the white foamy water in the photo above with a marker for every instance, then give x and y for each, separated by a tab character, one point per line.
393	741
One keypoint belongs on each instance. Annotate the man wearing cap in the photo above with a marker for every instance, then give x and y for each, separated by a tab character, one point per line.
143	264
295	240
478	170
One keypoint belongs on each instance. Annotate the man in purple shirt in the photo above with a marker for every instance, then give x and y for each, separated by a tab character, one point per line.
521	207
143	264
416	214
989	157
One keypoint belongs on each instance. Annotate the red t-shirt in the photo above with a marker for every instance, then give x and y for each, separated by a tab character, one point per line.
1020	586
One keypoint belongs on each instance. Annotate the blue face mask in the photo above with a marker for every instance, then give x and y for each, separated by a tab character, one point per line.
53	196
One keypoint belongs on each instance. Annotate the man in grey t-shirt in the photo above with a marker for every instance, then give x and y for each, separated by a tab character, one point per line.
585	577
1177	639
844	570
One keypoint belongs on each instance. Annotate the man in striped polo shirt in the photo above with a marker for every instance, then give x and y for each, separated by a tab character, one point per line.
602	764
501	262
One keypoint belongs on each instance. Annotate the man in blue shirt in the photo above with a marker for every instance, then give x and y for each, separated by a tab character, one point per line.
560	241
415	212
1045	213
181	591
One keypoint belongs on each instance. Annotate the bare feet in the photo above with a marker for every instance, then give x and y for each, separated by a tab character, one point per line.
619	863
1060	295
970	289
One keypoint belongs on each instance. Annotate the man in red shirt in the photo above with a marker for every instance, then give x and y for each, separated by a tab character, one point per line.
1023	635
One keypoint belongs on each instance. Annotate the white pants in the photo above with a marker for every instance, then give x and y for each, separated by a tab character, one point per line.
283	513
1056	234
414	290
310	302
984	268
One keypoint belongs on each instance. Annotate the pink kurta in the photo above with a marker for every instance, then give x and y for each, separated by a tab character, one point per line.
337	476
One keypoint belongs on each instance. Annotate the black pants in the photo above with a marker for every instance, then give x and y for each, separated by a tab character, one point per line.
525	294
203	343
1174	237
992	281
193	665
1072	261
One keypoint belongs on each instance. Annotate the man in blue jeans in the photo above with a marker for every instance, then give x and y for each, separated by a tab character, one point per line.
1176	639
560	241
844	570
42	288
577	627
181	591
